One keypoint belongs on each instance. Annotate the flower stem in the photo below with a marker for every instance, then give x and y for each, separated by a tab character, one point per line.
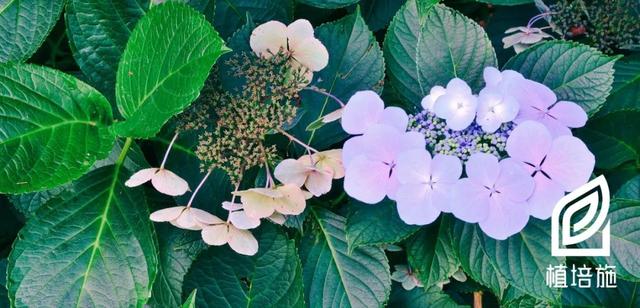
269	177
325	93
123	153
166	154
477	299
296	140
193	195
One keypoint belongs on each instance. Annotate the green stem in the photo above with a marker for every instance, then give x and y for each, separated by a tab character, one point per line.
125	149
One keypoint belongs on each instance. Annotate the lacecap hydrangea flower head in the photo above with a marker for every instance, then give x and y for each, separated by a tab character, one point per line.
495	157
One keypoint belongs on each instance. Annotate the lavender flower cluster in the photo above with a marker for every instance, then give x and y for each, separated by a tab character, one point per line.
463	143
494	158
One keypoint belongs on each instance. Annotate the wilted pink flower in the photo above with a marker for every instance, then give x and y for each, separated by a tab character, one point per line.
184	217
365	109
425	185
523	37
241	241
162	180
557	165
458	105
259	203
494	195
370	161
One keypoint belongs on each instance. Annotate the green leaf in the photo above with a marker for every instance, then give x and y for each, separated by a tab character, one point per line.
53	127
328	4
28	203
93	245
271	278
575	72
624	217
375	224
467	243
231	14
625	295
625	92
164	67
421	297
613	138
429	45
98	31
506	2
191	300
523	258
333	277
378	13
4	296
431	254
25	24
355	64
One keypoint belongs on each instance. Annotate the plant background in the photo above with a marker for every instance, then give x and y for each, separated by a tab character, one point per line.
334	253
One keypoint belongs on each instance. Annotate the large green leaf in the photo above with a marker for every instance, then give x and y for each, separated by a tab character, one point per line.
271	278
624	217
612	135
164	67
378	13
231	14
467	243
431	254
375	224
93	245
429	45
421	298
522	259
333	277
53	127
506	2
98	31
328	4
355	64
24	24
624	295
4	296
575	72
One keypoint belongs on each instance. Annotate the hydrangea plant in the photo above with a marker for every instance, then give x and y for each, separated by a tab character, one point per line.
343	153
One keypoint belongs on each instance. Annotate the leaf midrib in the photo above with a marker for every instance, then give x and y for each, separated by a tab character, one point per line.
103	218
45	128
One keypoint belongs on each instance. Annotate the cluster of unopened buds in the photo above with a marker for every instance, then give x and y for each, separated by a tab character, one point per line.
314	171
504	184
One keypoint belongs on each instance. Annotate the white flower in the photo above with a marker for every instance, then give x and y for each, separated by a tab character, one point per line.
185	217
523	37
162	180
307	53
315	172
258	203
495	108
458	105
429	100
241	241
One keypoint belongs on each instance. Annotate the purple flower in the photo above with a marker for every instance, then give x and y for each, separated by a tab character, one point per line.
558	165
425	185
370	161
366	108
458	105
494	195
495	108
537	102
429	100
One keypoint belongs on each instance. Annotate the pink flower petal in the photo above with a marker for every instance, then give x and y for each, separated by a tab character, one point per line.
319	182
216	235
229	206
446	168
268	38
291	171
367	180
529	142
293	201
483	168
514	182
413	166
242	241
569	114
545	196
505	218
241	221
569	162
363	109
351	149
204	217
492	76
168	214
395	117
312	54
141	177
169	183
187	221
297	32
470	201
415	205
429	100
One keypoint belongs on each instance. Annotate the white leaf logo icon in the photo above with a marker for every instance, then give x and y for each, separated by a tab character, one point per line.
595	196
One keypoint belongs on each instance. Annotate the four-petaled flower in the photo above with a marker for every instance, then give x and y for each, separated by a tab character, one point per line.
287	199
425	185
523	37
365	109
184	217
315	172
494	195
457	105
557	165
162	180
221	232
307	53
